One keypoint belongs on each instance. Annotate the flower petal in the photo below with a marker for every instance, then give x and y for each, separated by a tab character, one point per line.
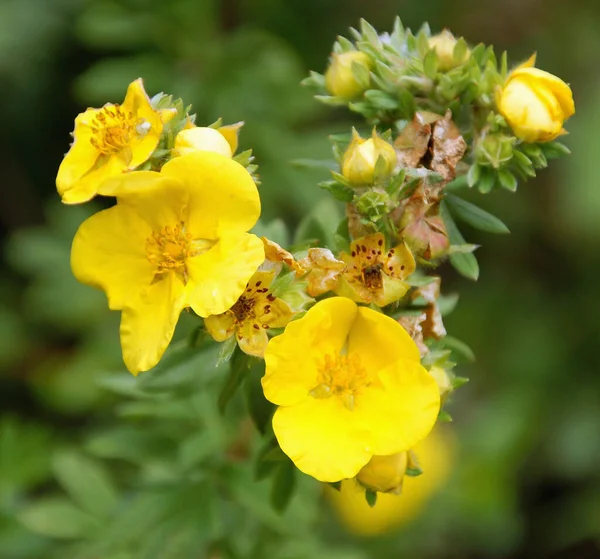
292	357
252	338
220	326
148	323
219	276
380	340
322	438
223	196
108	252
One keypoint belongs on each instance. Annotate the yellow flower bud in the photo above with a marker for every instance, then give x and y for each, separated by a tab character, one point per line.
194	139
535	103
443	380
443	43
384	473
360	160
340	80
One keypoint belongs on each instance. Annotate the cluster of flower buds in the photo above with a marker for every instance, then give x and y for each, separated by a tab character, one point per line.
357	359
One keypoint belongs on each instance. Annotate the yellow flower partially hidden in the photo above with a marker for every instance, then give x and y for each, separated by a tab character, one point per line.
349	385
110	141
535	103
359	163
374	274
223	140
251	316
436	455
175	239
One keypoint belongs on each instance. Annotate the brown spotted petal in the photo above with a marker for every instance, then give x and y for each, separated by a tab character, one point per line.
448	147
400	262
324	271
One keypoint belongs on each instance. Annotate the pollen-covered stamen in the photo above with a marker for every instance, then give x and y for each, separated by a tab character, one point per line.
371	276
169	248
243	308
112	129
341	375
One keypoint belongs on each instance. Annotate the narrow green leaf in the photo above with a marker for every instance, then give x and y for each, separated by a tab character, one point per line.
430	64
86	482
414	471
465	264
237	373
284	484
473	175
460	350
508	180
474	216
338	191
552	150
444	417
261	410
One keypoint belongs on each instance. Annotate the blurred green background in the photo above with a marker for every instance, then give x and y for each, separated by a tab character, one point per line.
94	465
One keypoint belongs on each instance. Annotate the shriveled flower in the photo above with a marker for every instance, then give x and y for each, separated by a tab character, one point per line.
276	256
375	274
175	239
249	319
349	385
340	78
108	142
324	271
535	103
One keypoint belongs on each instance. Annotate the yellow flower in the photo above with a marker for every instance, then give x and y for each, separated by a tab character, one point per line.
340	79
436	455
201	138
360	159
110	141
384	474
374	274
535	103
349	385
443	43
175	239
251	316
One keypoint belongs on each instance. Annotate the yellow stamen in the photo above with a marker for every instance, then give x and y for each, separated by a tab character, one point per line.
341	375
169	249
113	129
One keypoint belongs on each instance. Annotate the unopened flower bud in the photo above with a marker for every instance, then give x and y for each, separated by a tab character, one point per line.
384	473
444	43
341	80
535	103
494	149
443	380
359	164
201	139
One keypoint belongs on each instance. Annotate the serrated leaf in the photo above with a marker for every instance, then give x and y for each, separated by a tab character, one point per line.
474	216
86	482
284	484
465	264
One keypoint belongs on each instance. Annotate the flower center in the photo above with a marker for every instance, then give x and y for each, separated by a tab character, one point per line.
242	308
112	129
372	277
341	375
169	249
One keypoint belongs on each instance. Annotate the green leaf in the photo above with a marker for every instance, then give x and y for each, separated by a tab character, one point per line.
473	175
371	497
486	181
339	191
414	471
328	164
381	99
361	74
444	417
457	184
226	351
57	518
508	180
474	216
261	410
465	264
284	484
238	371
430	64
460	350
86	482
552	150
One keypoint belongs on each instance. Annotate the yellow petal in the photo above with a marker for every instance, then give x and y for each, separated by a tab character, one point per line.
380	341
220	326
558	87
157	199
252	338
275	314
148	322
108	252
393	290
201	139
223	196
322	438
219	276
399	262
292	358
403	411
148	123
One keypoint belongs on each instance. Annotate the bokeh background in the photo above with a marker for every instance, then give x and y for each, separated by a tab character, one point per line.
518	477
